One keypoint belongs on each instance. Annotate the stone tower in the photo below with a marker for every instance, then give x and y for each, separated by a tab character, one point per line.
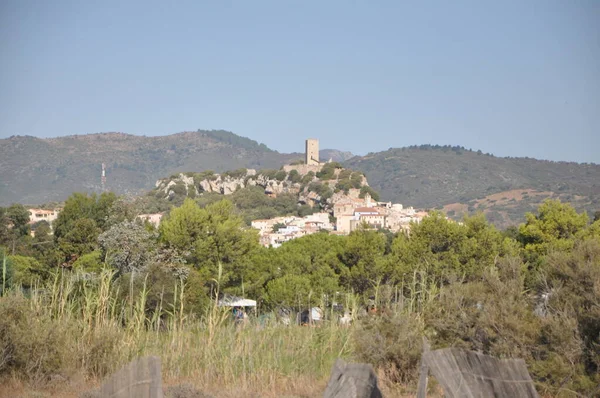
312	152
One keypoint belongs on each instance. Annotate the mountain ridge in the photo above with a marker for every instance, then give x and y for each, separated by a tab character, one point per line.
36	170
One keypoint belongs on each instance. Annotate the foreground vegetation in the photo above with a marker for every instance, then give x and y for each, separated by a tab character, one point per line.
104	289
76	325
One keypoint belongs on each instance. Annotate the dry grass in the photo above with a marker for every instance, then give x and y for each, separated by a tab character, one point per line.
73	332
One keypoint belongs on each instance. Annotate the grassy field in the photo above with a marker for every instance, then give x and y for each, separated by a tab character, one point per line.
64	338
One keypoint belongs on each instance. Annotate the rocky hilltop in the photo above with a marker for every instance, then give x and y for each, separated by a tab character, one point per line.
313	185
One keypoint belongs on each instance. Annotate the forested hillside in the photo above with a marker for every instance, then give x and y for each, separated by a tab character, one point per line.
34	170
460	181
454	179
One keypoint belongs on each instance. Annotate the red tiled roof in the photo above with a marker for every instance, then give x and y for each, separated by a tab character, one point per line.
365	210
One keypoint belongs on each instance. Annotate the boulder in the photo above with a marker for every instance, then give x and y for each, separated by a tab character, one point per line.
352	380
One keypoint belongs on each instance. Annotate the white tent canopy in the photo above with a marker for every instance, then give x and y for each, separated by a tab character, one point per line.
236	302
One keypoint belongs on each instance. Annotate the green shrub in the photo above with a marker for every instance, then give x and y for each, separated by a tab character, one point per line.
344	185
179	189
31	344
367	189
345	174
90	262
308	178
328	171
280	175
239	173
268	173
26	271
294	176
392	342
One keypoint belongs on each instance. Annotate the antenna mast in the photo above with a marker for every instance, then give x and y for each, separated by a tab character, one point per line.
103	177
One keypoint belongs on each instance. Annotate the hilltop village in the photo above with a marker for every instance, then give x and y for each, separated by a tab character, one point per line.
339	200
348	210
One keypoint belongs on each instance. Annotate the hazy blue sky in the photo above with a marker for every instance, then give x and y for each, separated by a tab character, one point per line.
515	78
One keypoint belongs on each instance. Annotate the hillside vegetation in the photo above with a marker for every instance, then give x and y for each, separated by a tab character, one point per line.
455	179
260	194
34	170
106	288
468	181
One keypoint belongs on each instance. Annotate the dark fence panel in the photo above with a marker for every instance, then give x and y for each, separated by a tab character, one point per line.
468	374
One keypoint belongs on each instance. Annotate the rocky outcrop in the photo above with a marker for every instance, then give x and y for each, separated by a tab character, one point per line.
297	180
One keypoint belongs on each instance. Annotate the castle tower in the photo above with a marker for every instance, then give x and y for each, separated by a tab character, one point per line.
312	152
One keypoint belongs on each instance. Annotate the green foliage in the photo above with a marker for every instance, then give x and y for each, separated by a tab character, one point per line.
205	175
531	292
269	174
572	280
391	340
30	343
19	217
308	177
554	227
320	189
280	175
179	189
291	291
251	203
306	210
90	262
344	185
364	256
234	140
328	171
294	177
219	247
83	206
239	173
367	189
127	246
80	239
345	174
428	178
446	249
278	226
26	271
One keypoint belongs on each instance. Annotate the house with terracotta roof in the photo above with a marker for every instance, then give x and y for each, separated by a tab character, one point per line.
36	215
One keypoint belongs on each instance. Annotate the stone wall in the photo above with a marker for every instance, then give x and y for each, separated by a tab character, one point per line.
303	169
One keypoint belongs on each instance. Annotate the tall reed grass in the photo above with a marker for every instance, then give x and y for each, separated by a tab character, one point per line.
88	326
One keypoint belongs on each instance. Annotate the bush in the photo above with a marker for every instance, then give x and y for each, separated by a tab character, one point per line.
239	173
391	342
90	262
345	174
344	185
367	189
205	175
268	173
320	189
179	189
30	343
308	178
280	175
294	176
328	171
